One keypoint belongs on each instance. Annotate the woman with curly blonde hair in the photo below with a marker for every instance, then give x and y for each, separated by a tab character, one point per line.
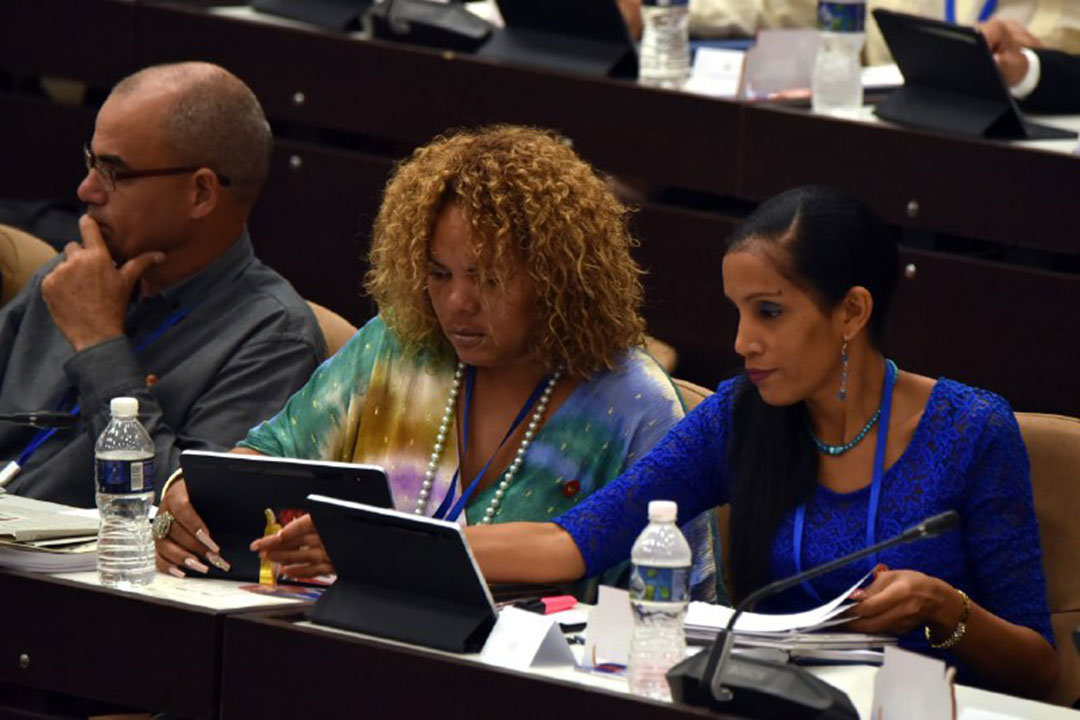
503	378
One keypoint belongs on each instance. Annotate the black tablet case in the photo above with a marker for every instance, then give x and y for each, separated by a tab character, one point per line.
951	82
231	491
580	36
401	577
330	14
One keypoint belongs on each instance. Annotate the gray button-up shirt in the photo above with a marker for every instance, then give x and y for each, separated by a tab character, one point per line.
246	343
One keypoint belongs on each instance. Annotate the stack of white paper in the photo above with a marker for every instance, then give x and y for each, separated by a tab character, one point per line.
41	536
793	633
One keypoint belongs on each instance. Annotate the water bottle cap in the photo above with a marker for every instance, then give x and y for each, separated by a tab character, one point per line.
126	406
663	511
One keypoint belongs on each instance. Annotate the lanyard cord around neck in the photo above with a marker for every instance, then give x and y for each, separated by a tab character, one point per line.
988	8
875	483
451	514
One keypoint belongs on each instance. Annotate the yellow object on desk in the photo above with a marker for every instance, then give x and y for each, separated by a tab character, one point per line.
268	568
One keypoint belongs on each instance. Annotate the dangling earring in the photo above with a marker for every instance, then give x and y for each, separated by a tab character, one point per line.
842	395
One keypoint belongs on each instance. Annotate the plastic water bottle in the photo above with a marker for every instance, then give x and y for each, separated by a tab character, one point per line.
124	478
837	80
659	591
665	43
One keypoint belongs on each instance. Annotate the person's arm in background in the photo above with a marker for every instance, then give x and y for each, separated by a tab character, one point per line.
1041	80
732	18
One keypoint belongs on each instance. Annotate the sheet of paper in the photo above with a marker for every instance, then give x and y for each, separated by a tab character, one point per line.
912	685
781	62
879	77
611	622
204	592
717	72
523	639
977	714
714	617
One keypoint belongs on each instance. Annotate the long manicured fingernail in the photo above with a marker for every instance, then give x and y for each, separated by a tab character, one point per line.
177	572
205	539
217	561
196	565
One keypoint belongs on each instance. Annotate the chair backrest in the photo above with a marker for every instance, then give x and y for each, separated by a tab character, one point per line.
336	330
1053	447
691	394
663	353
21	255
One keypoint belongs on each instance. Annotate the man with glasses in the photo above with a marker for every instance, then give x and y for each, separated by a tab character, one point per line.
164	299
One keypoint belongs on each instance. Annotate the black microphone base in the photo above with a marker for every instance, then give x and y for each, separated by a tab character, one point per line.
759	689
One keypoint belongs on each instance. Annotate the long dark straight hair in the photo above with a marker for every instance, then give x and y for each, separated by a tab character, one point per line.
825	242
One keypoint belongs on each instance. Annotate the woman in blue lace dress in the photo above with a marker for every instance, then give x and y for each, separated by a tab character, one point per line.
822	447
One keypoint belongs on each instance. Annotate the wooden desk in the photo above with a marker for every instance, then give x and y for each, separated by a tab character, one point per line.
993	293
337	674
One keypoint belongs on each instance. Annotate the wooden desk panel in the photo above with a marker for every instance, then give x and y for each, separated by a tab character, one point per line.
70	38
681	252
407	95
313	222
993	191
335	675
42	147
1009	330
109	646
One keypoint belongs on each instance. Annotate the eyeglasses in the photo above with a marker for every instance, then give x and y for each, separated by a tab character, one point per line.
112	174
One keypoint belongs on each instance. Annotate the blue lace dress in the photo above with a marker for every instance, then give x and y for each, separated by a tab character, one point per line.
966	455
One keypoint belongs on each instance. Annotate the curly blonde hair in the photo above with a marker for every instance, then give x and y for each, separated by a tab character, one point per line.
532	204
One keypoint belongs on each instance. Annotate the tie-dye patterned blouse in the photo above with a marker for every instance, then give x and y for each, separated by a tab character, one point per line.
375	403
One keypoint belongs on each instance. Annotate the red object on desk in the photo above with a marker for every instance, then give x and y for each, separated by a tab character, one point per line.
547	605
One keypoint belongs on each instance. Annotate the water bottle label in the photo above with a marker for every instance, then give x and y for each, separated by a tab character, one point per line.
659	584
842	17
124	476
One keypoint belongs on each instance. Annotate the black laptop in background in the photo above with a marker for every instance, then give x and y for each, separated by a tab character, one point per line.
578	36
951	82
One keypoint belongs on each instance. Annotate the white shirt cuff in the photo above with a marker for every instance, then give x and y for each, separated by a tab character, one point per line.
1030	81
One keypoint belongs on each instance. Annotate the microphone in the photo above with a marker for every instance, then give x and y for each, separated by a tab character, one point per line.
42	419
758	688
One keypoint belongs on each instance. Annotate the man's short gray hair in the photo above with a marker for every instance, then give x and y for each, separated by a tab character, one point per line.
217	122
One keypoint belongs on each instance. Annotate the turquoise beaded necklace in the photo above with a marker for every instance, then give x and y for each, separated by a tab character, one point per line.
841	449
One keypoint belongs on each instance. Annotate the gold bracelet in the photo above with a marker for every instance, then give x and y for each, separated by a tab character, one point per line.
958	632
178	474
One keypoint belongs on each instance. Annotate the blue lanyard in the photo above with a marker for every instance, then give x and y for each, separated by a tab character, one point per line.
875	484
42	436
470	383
988	9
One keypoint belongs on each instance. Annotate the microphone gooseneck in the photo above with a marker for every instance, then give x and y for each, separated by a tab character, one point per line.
47	419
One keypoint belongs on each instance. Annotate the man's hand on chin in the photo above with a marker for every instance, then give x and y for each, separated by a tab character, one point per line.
87	294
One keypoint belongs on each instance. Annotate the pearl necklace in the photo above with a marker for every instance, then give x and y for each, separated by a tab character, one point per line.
511	470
